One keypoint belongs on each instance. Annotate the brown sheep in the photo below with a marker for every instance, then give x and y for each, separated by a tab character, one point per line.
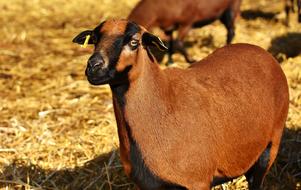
189	128
184	15
289	6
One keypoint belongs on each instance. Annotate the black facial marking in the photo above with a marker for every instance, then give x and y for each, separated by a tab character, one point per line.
116	48
130	30
114	51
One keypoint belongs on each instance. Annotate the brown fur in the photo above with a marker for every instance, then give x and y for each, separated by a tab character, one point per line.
182	15
169	14
213	119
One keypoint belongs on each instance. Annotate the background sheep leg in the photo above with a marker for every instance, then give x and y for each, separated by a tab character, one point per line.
183	31
228	19
287	11
171	46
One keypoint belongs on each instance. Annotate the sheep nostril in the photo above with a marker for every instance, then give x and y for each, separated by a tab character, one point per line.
94	66
97	64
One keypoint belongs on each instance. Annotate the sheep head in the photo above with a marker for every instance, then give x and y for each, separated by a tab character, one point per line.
118	46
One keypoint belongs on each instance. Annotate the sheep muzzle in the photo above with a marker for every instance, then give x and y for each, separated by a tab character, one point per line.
96	71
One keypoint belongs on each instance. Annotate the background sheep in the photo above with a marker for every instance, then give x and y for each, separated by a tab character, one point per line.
181	15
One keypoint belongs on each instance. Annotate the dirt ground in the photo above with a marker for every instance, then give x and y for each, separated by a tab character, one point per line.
59	132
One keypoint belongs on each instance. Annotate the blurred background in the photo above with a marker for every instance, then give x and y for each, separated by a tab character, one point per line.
59	132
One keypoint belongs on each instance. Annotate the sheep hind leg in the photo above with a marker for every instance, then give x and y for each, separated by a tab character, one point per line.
179	43
181	48
258	171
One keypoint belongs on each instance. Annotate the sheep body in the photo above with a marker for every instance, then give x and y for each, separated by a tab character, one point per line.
212	120
190	128
169	13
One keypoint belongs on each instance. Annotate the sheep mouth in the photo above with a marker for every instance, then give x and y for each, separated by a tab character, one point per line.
99	80
111	77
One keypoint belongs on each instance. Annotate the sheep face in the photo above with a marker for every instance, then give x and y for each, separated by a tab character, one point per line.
117	45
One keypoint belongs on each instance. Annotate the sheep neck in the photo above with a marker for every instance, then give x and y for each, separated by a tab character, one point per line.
149	90
147	85
135	104
148	95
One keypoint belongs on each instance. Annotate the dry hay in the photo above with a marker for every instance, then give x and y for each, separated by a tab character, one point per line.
59	132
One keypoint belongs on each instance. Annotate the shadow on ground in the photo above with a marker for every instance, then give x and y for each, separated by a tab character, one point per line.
288	45
255	14
99	172
95	174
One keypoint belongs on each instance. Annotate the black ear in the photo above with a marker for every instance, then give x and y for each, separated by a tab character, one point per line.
80	38
149	39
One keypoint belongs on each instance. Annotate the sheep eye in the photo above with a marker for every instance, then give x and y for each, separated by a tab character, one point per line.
134	43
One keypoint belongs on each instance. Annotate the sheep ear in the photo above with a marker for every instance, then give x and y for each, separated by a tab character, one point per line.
149	39
81	37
